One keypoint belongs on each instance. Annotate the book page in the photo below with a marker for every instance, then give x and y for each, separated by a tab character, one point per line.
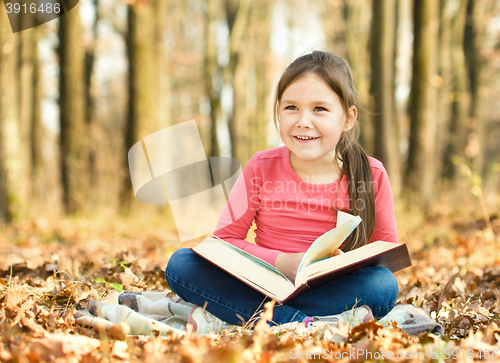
330	241
253	258
343	218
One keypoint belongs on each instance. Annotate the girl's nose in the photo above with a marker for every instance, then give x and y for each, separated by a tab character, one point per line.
304	121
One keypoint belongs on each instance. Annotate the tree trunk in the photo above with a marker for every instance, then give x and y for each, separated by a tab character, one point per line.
213	76
357	18
27	86
38	177
237	13
163	116
334	17
458	127
445	83
382	89
258	118
12	161
474	36
420	173
74	134
90	109
238	128
141	120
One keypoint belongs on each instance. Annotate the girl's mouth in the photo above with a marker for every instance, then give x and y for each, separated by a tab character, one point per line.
306	138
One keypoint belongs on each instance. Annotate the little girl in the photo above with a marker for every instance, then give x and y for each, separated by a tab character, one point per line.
293	194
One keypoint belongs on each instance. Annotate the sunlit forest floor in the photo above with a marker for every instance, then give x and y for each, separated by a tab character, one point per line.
47	270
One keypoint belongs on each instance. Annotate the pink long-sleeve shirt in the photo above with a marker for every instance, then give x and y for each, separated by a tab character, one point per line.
290	213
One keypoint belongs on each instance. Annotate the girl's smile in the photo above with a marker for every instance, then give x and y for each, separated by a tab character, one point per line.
312	120
306	138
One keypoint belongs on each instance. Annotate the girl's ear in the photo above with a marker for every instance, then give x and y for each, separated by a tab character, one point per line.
351	117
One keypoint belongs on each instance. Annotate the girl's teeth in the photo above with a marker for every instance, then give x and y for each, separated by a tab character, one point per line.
305	138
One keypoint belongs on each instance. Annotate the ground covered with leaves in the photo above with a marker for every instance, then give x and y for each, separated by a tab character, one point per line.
50	269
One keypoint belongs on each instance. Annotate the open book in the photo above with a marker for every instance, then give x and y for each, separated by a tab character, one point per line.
316	267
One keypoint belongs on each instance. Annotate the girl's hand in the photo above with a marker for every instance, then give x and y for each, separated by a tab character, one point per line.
337	252
288	264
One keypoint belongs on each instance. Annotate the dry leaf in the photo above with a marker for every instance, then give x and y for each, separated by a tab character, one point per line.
119	331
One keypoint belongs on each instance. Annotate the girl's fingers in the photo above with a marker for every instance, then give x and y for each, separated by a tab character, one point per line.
336	253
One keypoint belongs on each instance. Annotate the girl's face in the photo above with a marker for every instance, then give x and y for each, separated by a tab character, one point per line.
312	119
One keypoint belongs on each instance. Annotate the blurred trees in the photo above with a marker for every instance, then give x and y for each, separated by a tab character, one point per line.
458	127
147	80
248	72
357	35
213	76
90	98
237	14
13	180
259	110
420	172
29	96
474	36
74	130
382	89
216	61
142	75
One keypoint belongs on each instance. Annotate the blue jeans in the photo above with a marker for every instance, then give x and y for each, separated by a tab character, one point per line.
198	281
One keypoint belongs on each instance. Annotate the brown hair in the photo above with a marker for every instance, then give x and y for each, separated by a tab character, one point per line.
336	73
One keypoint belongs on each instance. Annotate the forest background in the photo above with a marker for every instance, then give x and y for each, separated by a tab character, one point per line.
77	92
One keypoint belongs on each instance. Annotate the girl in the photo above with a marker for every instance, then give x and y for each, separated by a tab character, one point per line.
293	194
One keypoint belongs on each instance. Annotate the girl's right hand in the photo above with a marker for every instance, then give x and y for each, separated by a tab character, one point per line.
337	252
288	264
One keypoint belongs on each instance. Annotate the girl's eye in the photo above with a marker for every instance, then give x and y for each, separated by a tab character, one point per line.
319	108
290	107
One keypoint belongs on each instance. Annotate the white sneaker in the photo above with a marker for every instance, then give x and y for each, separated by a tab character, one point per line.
204	322
356	316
